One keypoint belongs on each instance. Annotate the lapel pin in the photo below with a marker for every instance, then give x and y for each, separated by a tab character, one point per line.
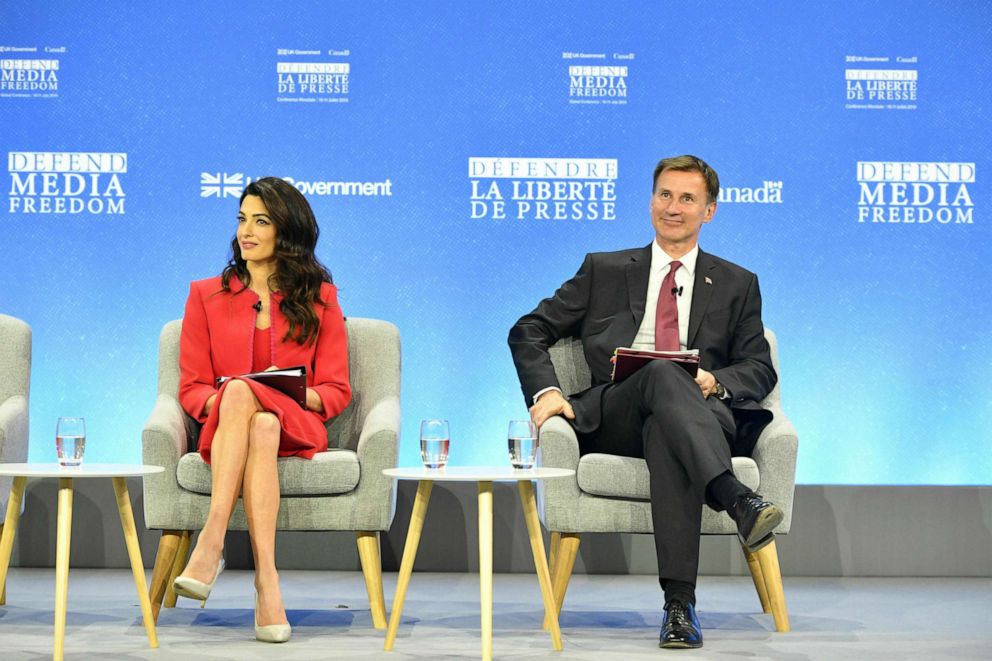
707	280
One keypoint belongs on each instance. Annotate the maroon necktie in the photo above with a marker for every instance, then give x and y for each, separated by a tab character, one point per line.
666	321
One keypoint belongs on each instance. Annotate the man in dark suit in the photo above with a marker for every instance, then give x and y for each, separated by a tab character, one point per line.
668	295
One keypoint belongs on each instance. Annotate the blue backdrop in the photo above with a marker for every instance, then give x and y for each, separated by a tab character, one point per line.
852	140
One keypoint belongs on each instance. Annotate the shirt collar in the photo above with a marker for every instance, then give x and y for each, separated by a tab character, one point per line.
660	259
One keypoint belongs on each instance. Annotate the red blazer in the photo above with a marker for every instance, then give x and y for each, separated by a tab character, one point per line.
218	340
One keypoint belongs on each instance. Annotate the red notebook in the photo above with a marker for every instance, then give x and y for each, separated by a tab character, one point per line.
291	381
626	361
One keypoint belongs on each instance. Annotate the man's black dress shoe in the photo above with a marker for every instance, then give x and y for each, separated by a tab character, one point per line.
680	628
756	519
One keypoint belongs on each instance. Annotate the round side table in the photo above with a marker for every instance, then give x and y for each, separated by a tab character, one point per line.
484	476
117	473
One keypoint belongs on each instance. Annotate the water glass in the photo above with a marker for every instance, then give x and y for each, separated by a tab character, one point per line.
522	443
434	441
70	441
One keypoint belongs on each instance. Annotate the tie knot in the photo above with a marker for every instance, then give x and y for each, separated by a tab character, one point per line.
676	265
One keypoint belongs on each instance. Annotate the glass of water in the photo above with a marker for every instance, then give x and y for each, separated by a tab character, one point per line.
522	443
70	441
434	441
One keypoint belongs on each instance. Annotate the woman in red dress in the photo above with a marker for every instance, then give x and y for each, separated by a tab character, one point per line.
273	306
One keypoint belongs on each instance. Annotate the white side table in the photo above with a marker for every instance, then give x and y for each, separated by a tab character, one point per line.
117	473
485	476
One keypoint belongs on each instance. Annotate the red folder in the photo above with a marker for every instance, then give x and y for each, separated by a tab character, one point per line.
626	361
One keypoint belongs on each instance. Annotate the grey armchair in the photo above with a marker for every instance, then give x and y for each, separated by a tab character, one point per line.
15	381
610	493
341	489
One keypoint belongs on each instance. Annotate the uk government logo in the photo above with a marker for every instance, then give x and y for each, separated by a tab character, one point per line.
915	193
305	76
769	192
881	83
600	80
29	72
224	185
519	188
45	182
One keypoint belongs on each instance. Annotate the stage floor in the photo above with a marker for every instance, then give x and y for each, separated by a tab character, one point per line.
605	617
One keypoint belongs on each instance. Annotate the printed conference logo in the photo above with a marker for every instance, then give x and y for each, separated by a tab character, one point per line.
881	87
44	182
22	76
224	185
600	81
915	193
301	81
521	188
769	192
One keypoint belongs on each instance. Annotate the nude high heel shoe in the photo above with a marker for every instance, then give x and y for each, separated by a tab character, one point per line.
194	589
271	633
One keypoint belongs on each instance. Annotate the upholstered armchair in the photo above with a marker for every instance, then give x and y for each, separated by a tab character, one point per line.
15	380
341	489
610	493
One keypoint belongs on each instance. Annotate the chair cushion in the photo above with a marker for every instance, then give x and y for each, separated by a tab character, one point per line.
625	477
331	472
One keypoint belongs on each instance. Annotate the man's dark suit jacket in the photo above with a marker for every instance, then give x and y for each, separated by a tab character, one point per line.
603	305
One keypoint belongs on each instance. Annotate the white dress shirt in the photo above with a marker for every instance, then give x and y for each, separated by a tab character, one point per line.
684	278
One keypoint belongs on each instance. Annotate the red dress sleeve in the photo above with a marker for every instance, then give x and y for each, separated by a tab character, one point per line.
330	363
196	374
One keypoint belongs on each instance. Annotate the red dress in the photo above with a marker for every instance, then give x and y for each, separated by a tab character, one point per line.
219	338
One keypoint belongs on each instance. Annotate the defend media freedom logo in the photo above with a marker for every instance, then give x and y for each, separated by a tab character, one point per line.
597	84
223	184
915	192
66	182
522	188
29	78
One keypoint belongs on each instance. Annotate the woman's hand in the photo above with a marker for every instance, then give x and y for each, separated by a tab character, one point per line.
314	403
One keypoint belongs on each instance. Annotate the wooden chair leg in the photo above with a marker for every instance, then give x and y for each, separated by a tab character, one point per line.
768	559
168	546
368	553
182	557
758	578
568	548
3	587
553	551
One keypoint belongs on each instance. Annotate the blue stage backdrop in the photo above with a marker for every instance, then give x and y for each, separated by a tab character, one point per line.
462	157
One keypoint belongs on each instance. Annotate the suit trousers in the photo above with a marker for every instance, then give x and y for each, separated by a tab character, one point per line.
659	414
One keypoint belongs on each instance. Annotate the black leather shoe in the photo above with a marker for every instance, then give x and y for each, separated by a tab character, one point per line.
756	519
680	628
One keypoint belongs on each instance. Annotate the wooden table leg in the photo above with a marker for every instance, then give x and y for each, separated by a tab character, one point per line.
486	567
529	502
9	530
409	555
62	564
134	553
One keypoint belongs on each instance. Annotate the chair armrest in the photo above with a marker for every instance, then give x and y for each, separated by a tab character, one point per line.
13	439
164	440
378	448
559	444
14	430
558	499
775	454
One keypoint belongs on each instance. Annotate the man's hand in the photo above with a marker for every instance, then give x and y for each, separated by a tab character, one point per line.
549	404
706	381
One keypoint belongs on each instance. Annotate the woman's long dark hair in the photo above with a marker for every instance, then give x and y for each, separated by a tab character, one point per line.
298	273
